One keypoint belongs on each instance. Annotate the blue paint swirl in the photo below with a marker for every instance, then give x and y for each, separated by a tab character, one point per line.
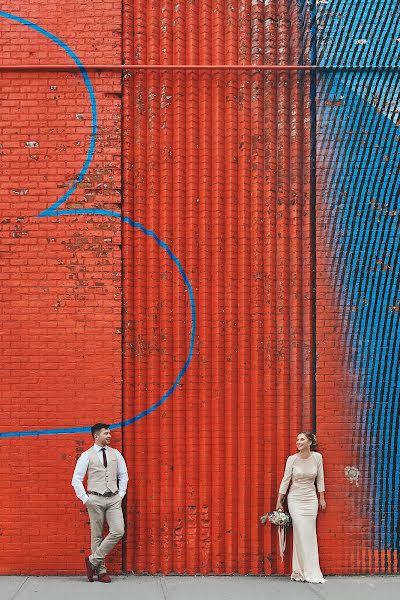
358	134
53	210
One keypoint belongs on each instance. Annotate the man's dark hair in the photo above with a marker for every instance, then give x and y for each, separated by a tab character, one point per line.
97	427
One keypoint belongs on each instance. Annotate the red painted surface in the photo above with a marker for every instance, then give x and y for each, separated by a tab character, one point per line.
97	320
216	167
60	278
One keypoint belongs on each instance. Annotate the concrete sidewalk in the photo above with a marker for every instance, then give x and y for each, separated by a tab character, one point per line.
198	588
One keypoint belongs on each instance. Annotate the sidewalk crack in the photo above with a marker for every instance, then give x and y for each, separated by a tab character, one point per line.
15	594
163	587
311	587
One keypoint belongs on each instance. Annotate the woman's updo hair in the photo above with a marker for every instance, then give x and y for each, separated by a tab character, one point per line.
310	436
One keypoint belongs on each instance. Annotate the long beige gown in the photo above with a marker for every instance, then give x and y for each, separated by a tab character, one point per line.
303	508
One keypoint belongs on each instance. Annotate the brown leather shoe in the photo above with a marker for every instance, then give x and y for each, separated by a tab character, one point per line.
90	569
104	578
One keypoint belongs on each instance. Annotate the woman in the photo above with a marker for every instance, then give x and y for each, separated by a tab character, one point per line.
303	469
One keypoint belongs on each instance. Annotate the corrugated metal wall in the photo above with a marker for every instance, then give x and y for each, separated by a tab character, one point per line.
216	163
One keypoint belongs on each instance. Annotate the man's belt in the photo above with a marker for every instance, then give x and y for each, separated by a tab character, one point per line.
106	495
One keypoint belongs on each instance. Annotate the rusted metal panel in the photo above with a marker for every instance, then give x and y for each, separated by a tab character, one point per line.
215	163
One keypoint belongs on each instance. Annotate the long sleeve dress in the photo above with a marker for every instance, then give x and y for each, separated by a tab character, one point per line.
303	508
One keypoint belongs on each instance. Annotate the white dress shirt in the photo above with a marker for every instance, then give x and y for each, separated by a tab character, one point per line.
82	467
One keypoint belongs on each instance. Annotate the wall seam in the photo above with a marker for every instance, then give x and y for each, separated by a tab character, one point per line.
313	199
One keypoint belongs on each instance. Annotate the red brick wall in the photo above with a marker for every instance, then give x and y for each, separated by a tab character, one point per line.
60	276
344	530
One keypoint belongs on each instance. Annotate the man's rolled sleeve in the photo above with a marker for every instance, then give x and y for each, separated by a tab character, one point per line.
79	475
122	473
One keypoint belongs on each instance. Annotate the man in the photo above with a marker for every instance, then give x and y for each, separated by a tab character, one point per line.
107	483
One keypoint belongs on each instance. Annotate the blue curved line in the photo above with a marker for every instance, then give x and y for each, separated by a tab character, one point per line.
90	89
144	413
53	210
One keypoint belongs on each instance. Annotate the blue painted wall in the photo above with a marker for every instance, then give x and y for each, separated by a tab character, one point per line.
358	138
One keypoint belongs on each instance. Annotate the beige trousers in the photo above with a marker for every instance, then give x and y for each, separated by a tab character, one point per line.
100	509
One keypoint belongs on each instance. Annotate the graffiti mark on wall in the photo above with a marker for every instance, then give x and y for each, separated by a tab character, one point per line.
54	210
359	138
